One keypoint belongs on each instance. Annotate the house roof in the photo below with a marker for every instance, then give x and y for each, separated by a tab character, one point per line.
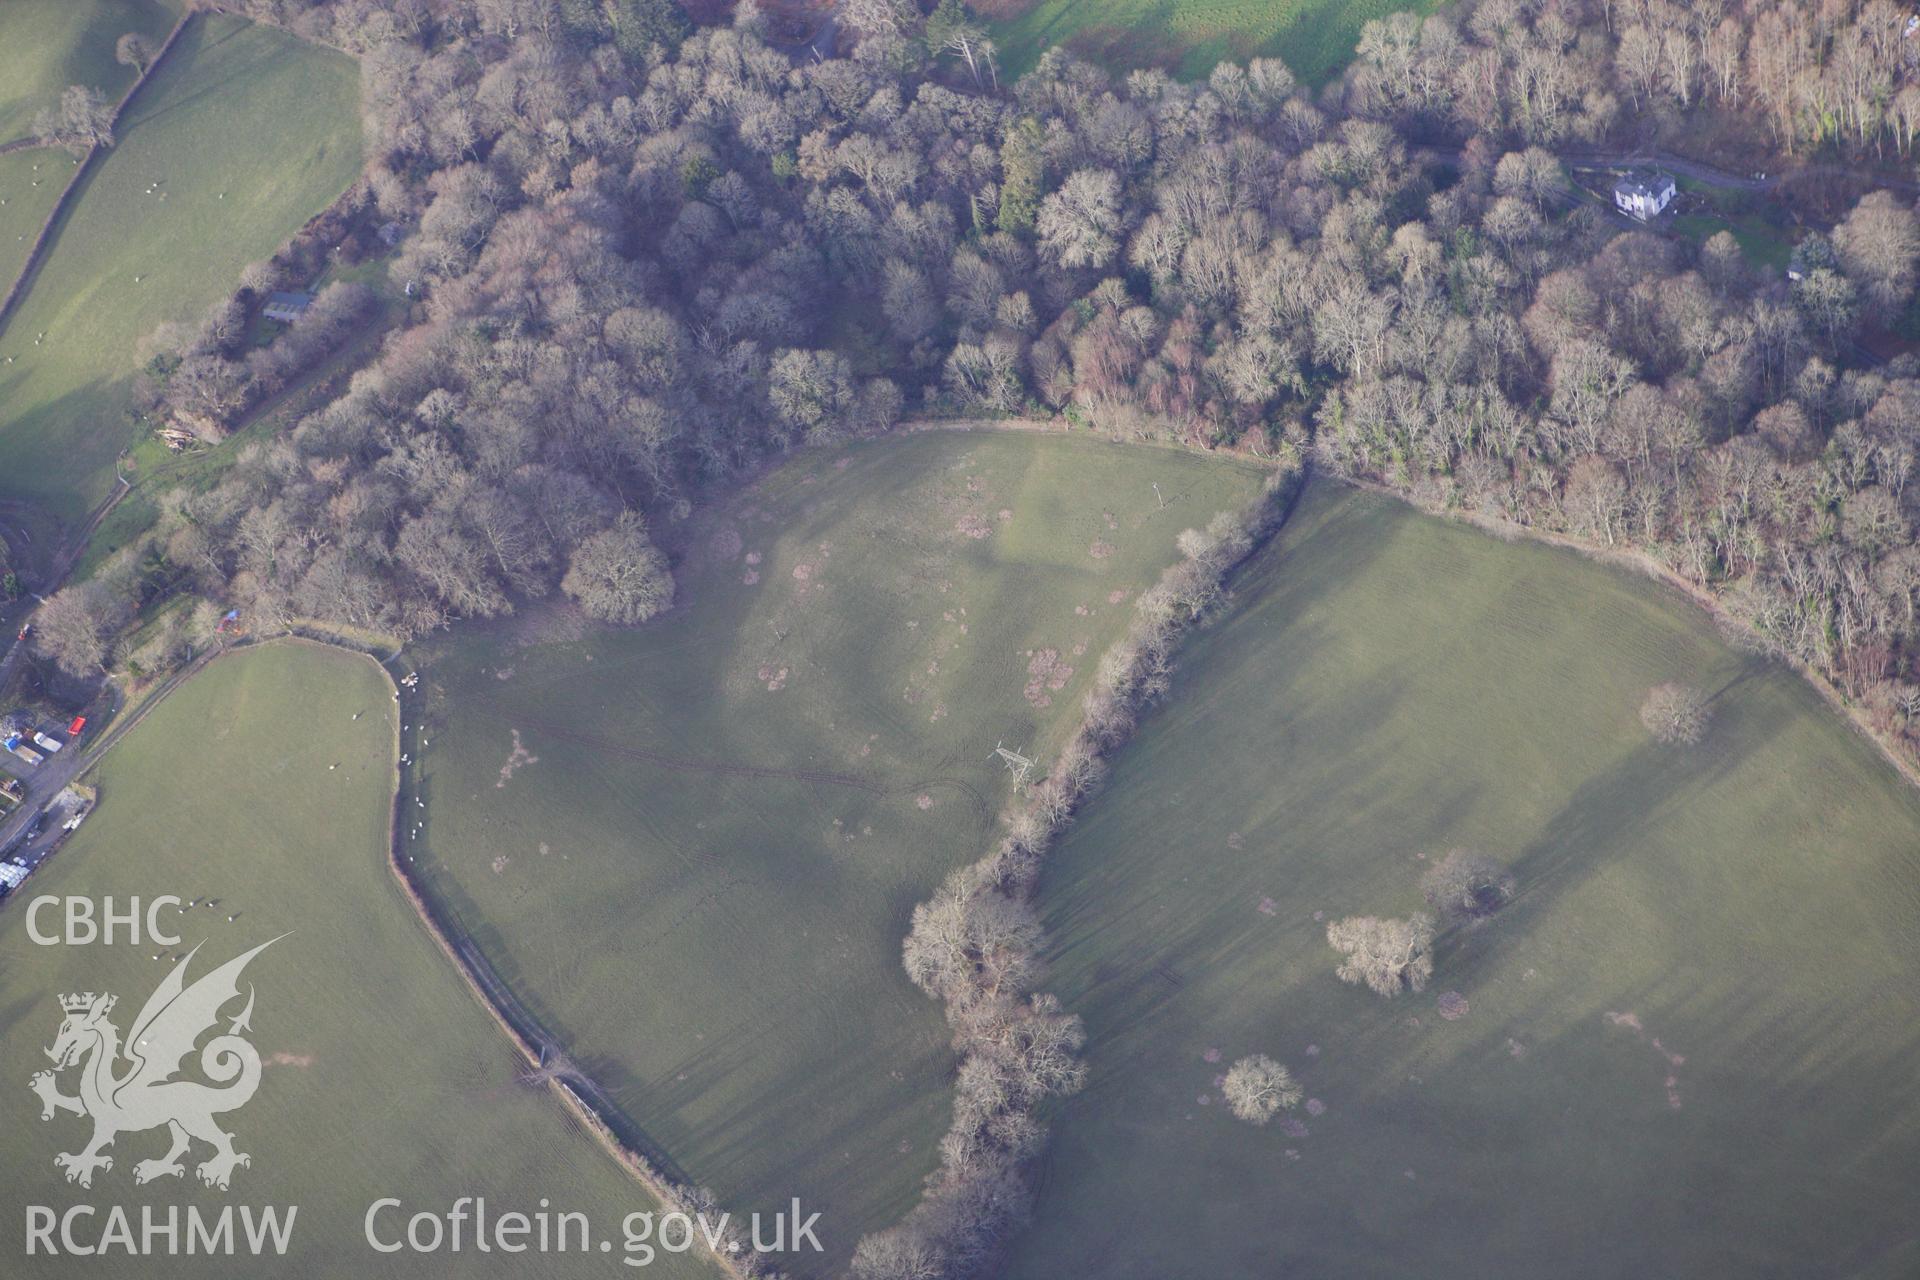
1650	185
289	302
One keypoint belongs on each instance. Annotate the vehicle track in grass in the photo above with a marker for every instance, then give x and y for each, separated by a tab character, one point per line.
688	764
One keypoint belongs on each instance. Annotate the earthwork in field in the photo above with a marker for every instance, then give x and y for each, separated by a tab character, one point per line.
1684	1049
692	849
159	229
383	1076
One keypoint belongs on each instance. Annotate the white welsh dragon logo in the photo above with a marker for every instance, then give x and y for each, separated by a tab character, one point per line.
145	1095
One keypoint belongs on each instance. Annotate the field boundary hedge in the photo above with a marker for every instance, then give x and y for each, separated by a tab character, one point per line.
577	1092
976	944
37	252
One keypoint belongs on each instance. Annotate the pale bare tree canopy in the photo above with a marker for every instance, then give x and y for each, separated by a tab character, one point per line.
1675	714
1257	1088
1385	956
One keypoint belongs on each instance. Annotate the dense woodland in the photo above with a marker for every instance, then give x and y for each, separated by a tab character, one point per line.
645	264
644	258
1810	74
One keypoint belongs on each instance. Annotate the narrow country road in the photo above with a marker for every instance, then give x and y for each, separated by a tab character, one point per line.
46	780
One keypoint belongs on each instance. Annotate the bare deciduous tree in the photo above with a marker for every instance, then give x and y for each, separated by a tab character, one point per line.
82	121
133	50
1257	1088
74	627
1079	225
1675	714
618	575
1385	956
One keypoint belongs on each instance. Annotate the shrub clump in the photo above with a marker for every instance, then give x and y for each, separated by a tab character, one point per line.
1467	886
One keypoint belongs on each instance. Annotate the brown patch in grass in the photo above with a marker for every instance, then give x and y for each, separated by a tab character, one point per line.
1671	1085
517	759
973	526
1048	675
1100	549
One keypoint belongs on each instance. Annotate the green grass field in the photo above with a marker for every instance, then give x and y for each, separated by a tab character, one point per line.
383	1076
126	260
1690	1040
692	849
1189	37
1766	242
27	205
46	45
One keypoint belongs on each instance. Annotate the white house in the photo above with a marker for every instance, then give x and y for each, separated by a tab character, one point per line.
1643	195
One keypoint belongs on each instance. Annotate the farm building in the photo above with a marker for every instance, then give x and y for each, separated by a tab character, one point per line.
287	307
1643	195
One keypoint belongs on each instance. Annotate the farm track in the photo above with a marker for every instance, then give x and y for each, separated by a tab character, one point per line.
684	764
